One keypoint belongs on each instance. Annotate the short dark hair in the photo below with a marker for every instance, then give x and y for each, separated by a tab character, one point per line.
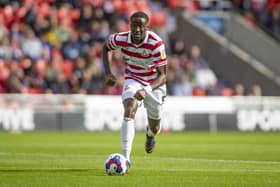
140	14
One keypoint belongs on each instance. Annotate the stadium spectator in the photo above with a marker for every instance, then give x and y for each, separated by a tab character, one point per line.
3	29
72	48
239	90
60	85
15	81
31	45
196	59
205	78
178	47
51	72
86	17
255	90
6	49
274	23
183	87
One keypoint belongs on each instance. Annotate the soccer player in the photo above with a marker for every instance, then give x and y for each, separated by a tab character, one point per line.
145	77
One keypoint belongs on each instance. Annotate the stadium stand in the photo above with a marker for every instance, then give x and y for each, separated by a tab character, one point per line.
262	13
255	53
55	46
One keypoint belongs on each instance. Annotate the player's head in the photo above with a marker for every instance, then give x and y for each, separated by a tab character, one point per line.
139	25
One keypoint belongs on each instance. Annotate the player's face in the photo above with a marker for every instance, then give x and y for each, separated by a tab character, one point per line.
138	28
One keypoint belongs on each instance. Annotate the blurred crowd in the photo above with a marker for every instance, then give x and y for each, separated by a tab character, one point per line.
49	46
264	13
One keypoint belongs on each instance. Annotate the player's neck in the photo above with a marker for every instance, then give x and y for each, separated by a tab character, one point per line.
137	42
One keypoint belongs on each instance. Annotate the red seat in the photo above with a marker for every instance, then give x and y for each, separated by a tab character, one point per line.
5	71
199	92
67	68
158	19
34	91
40	67
226	92
4	74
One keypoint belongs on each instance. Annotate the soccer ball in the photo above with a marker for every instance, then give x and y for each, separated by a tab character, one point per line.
116	164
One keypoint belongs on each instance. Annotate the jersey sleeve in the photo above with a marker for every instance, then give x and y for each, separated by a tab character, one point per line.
159	55
111	42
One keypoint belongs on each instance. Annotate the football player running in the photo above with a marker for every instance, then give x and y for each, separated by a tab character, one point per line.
145	61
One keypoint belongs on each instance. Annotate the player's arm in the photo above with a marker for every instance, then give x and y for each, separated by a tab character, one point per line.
110	79
161	68
161	78
158	81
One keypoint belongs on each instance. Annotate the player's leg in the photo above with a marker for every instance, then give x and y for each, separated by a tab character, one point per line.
152	129
130	107
154	113
127	128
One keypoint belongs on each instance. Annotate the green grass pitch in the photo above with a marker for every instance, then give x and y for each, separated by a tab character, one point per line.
180	159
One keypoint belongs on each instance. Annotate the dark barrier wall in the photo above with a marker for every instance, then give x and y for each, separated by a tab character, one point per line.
211	122
249	120
75	121
59	121
226	65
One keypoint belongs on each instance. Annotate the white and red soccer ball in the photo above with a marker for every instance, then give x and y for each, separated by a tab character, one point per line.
116	164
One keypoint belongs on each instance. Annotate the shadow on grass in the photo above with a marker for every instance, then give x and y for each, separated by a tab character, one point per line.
56	170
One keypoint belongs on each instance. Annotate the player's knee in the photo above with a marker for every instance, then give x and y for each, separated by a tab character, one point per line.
129	112
130	107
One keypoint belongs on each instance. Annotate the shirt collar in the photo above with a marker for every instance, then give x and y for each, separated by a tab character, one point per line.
144	41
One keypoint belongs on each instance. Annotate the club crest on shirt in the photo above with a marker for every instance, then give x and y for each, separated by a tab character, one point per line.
162	55
127	87
145	53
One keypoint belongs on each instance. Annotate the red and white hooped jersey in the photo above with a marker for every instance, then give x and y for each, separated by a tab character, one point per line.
141	60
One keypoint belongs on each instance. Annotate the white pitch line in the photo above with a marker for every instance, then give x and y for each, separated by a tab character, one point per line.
150	169
212	170
52	155
218	160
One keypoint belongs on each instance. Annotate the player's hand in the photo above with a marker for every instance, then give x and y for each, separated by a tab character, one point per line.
140	94
110	80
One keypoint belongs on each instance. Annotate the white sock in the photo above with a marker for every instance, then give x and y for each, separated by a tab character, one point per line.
127	136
